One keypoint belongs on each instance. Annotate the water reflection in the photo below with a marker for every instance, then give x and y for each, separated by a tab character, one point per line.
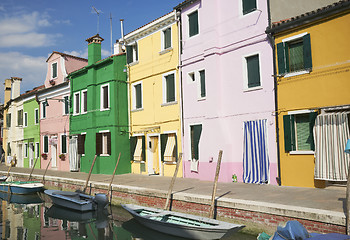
29	217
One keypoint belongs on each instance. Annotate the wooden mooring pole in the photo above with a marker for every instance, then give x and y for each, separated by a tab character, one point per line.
30	175
88	178
212	206
48	164
167	203
110	184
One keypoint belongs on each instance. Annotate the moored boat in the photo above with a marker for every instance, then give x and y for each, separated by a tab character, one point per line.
181	224
77	201
20	187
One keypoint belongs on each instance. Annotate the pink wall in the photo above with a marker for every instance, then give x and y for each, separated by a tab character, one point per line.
225	38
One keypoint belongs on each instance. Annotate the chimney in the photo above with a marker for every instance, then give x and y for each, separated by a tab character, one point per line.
16	87
118	47
94	49
7	95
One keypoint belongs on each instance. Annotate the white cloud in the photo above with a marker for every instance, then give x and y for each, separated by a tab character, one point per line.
28	40
84	53
31	69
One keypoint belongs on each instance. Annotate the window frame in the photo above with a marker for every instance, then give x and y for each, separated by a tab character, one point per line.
43	110
200	97
44	142
189	24
164	39
83	105
25	119
8	120
134	57
246	72
76	105
37	150
52	70
25	150
36	116
102	97
104	149
65	103
20	118
190	140
134	95
165	89
61	144
245	13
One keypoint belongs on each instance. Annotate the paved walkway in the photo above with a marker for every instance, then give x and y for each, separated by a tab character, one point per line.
328	201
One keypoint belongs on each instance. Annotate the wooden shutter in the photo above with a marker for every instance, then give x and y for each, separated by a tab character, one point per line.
46	144
193	23
129	54
98	143
85	101
135	47
64	143
175	149
66	105
81	144
289	133
109	143
138	96
248	6
307	52
133	141
167	38
253	71
170	88
196	131
143	148
163	141
281	58
54	70
202	80
312	117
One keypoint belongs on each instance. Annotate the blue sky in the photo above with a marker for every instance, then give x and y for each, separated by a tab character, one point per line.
31	30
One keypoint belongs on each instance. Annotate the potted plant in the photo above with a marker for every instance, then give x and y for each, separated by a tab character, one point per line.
52	82
62	156
44	156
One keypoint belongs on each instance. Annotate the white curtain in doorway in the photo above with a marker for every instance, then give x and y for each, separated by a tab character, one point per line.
73	154
331	131
255	153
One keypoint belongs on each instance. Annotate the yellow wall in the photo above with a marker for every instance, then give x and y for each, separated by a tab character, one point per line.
151	66
327	85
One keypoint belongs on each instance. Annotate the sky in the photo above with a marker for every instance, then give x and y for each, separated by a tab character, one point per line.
30	30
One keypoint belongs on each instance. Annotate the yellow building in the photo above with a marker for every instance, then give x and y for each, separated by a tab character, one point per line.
313	96
153	77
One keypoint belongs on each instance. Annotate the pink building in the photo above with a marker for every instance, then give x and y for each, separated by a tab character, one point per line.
228	91
54	103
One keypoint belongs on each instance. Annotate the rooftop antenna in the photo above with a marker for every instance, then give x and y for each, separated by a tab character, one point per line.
110	20
98	18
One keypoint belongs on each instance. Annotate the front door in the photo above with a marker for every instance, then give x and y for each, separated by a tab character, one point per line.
31	154
153	159
19	158
53	155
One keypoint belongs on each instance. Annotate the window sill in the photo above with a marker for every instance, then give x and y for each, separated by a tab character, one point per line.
133	63
301	152
137	110
292	74
169	163
104	155
83	113
136	161
168	104
201	99
104	109
252	89
166	51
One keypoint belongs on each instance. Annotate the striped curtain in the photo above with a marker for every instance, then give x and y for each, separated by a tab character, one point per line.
255	152
331	132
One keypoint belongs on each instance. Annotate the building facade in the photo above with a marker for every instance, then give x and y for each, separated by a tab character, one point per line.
99	112
312	55
153	76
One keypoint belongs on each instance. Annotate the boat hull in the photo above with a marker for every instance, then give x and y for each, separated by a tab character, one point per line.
21	187
195	228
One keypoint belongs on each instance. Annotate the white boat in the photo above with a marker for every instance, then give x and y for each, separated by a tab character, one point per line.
21	187
181	224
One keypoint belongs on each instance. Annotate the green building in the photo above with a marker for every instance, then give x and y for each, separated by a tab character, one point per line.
99	112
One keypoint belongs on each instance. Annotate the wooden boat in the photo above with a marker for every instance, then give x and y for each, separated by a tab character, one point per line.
20	187
3	178
181	224
77	201
21	199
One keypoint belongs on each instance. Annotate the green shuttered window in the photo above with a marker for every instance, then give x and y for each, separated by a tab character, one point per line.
103	143
196	131
294	55
170	88
248	6
46	144
8	120
167	38
202	83
138	96
131	53
20	117
63	144
253	71
193	24
54	70
298	132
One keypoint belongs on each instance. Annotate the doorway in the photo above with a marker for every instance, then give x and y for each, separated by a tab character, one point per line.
31	154
153	156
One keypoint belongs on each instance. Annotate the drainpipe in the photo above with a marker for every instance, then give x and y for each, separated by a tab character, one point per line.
272	42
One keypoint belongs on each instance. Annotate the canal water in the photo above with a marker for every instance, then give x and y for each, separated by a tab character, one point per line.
31	218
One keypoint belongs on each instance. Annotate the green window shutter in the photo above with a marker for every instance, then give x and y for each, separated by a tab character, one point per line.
163	141
307	52
129	54
302	123
248	6
281	58
109	143
193	23
253	71
46	144
170	88
81	144
64	143
143	148
54	70
196	131
289	133
98	143
136	52
312	119
133	141
66	105
85	101
167	38
44	109
202	80
20	118
138	96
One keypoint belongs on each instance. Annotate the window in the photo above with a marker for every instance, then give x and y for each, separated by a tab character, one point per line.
294	54
253	71
105	97
81	143
36	116
54	70
84	101
137	92
25	150
37	150
248	6
76	103
168	144
192	77
63	143
103	143
202	83
193	24
166	39
195	135
298	131
8	120
46	144
43	109
137	148
66	105
20	117
169	88
132	53
25	119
